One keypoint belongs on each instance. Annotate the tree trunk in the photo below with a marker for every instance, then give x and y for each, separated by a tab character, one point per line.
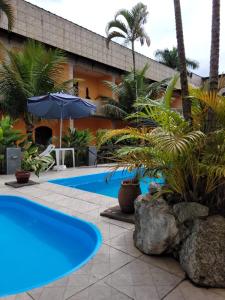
29	131
133	55
134	67
29	124
186	103
214	59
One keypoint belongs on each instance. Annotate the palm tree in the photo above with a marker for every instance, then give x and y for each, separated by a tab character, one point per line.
7	9
125	92
170	58
129	25
33	71
186	103
191	162
214	58
215	46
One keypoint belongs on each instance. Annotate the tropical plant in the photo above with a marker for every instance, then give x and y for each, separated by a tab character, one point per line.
33	71
79	140
191	161
31	160
127	90
8	135
214	58
186	104
99	135
129	25
8	138
170	58
7	9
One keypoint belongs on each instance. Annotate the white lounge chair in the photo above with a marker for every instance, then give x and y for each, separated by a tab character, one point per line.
47	152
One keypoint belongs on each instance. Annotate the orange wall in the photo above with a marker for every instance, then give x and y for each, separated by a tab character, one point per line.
94	84
92	123
53	124
177	103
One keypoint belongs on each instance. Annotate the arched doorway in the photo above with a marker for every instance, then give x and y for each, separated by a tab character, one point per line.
43	135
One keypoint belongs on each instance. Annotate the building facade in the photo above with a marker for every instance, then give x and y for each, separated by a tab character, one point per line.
88	59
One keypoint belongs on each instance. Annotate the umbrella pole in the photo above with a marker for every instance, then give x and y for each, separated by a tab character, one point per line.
61	125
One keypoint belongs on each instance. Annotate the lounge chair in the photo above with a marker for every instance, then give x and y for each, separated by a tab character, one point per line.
47	152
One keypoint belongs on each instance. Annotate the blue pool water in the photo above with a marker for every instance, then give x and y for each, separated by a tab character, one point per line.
104	183
39	245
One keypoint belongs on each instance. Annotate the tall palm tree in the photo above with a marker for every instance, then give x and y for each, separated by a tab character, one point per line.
32	71
129	25
186	103
170	58
7	9
214	58
215	46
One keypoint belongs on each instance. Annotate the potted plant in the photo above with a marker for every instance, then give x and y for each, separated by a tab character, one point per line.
129	191
22	176
32	162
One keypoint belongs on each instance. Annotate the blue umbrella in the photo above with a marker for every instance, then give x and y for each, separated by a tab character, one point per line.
60	106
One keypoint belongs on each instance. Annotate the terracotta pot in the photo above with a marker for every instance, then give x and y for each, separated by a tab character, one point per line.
129	191
22	176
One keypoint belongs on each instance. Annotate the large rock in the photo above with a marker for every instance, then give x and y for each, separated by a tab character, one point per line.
202	254
155	226
186	211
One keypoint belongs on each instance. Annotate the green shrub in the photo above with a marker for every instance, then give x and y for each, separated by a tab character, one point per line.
79	140
8	138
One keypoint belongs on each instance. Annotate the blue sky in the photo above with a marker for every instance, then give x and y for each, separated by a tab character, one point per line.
196	14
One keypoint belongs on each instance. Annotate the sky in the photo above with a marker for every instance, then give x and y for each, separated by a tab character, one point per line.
196	14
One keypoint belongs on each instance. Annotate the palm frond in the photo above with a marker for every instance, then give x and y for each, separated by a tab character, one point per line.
112	35
193	64
113	110
127	15
169	91
34	70
130	24
212	100
7	8
169	57
126	133
117	24
221	82
177	144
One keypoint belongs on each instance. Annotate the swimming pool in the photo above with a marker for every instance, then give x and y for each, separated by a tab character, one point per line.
106	183
39	245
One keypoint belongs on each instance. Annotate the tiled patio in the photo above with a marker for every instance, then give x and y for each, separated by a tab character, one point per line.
119	271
